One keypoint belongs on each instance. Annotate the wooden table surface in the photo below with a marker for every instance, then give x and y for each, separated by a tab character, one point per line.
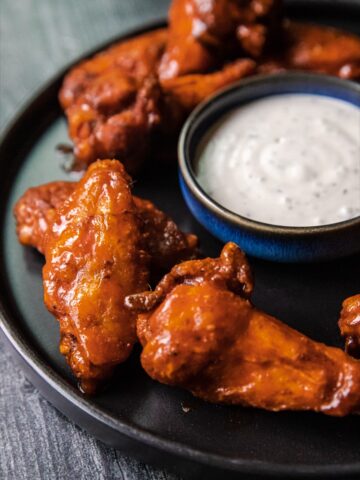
37	38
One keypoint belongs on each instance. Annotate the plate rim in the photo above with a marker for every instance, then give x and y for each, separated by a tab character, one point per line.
70	394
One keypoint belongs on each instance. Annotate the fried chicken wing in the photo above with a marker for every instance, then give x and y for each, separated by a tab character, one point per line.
136	58
200	332
188	91
162	239
203	33
116	134
349	324
166	244
93	260
111	100
35	211
318	49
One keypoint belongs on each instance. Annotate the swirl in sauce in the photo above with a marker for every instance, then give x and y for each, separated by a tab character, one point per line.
291	159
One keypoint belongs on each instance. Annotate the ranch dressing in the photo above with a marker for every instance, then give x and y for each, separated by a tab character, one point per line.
290	159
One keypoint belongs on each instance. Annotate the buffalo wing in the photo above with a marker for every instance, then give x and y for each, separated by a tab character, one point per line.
162	239
111	100
202	33
186	92
315	48
349	324
35	212
200	332
93	260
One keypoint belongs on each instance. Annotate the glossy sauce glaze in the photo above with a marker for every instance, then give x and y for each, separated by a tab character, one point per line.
200	331
291	159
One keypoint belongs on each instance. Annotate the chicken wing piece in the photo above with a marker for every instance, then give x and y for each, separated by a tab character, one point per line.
35	211
349	324
186	92
116	132
200	332
111	100
231	270
93	260
162	239
318	49
165	243
136	58
205	33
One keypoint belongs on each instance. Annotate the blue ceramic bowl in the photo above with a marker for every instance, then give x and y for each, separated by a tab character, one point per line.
271	242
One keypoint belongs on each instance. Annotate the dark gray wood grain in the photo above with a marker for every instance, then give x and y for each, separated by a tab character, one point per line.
37	37
38	442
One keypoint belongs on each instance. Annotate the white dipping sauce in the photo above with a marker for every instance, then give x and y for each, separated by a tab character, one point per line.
289	160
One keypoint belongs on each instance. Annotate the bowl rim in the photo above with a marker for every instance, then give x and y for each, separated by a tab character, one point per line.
189	177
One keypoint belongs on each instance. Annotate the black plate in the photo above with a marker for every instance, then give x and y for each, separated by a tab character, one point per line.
154	422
